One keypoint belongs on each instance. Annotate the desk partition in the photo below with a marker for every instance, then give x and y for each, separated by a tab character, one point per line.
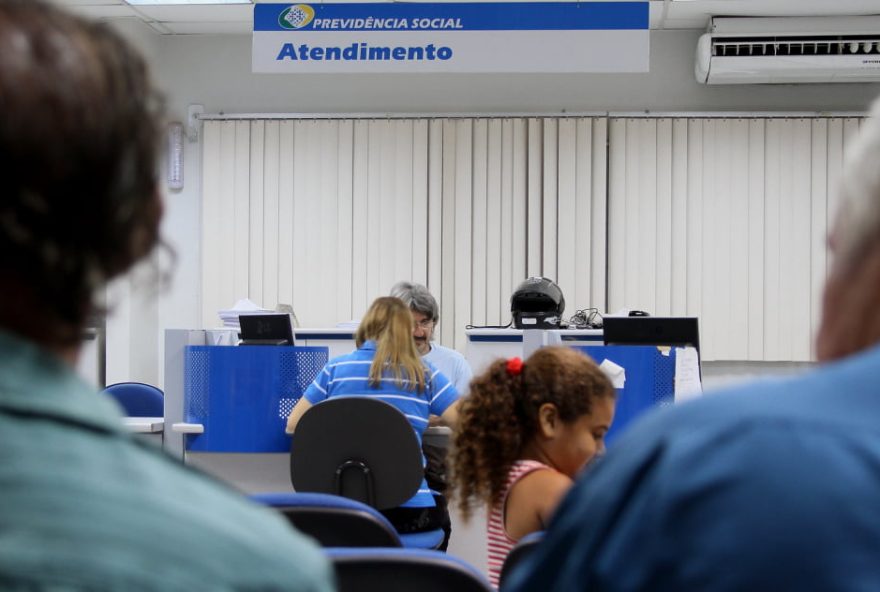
650	371
243	395
649	380
200	381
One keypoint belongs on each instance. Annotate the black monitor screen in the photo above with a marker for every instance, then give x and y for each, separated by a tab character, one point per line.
678	331
266	329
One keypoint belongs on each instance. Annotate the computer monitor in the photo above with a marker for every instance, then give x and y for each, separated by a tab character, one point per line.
266	329
676	331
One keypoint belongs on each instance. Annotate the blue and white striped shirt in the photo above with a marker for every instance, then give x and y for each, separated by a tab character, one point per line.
348	376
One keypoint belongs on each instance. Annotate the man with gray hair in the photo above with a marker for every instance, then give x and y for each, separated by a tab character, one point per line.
450	363
769	486
426	313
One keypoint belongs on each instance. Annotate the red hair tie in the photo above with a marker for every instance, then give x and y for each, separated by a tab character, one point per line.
514	366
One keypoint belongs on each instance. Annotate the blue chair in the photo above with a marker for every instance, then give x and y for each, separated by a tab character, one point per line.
138	399
404	570
363	449
518	554
332	520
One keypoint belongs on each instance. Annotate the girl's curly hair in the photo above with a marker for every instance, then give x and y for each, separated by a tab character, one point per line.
499	416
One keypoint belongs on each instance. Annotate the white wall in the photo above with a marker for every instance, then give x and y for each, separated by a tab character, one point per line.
131	352
717	375
215	71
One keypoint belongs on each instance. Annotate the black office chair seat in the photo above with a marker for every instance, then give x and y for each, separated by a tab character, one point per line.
404	570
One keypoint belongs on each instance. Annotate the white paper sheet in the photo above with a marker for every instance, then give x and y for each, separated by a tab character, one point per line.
687	374
616	374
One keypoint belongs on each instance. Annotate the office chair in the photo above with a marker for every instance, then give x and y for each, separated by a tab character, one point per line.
518	554
404	570
332	520
363	449
138	399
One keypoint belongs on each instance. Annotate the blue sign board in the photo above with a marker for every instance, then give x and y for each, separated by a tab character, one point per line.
452	37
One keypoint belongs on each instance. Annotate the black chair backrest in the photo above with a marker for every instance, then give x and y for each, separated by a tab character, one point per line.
404	570
342	527
332	520
520	552
356	447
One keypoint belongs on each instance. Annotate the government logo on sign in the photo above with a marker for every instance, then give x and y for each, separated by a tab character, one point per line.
296	16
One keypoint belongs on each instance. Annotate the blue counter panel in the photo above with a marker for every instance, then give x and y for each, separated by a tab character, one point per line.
650	380
243	395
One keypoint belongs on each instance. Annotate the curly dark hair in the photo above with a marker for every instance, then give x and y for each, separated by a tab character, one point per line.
79	135
500	415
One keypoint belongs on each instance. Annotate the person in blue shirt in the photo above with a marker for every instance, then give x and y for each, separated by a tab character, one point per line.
86	505
386	366
768	486
453	365
426	315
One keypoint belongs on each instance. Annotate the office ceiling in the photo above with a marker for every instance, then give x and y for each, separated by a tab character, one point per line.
214	19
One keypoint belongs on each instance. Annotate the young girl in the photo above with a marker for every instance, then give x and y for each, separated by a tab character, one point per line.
525	431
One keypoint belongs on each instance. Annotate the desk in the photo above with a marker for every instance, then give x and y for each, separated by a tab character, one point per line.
337	341
486	345
144	425
150	429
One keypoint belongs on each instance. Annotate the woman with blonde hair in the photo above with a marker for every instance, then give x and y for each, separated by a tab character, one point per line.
387	366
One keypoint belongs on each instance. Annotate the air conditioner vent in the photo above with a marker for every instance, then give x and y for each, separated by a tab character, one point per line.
831	45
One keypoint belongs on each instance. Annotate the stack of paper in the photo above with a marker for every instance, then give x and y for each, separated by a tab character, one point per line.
230	316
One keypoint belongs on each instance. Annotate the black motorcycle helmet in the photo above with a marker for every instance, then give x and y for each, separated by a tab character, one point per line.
537	303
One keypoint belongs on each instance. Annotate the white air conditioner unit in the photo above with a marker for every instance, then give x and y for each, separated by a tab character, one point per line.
786	50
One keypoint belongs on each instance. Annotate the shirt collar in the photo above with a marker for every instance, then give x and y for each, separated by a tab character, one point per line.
34	381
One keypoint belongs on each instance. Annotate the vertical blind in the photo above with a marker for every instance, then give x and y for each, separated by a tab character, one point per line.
326	215
720	218
725	219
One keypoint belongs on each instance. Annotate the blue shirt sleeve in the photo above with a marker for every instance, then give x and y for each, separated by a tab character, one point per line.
319	390
463	375
442	393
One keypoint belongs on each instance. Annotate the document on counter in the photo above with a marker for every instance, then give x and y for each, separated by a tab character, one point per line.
687	374
616	374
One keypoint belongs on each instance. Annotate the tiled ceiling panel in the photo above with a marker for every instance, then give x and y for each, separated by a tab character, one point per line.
664	14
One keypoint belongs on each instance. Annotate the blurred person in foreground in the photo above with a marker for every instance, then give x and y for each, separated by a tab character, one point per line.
84	504
767	486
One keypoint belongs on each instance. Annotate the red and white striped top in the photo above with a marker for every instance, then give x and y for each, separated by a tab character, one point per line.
499	542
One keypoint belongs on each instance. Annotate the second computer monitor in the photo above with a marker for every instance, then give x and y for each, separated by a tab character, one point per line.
676	331
266	329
